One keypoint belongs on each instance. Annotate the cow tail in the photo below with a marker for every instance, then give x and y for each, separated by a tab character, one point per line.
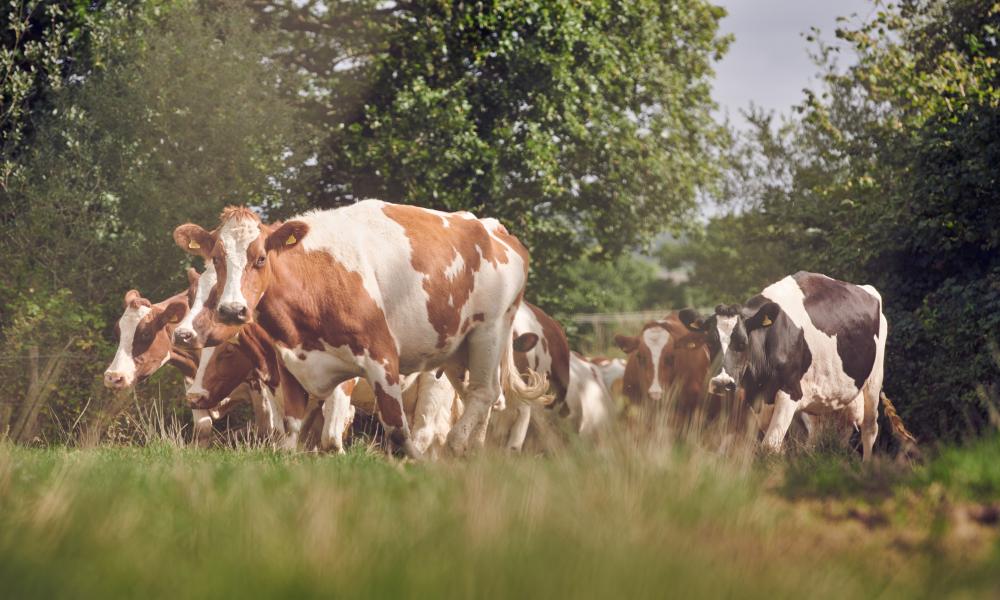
906	440
531	388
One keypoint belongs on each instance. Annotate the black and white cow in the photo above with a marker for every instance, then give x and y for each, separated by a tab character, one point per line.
807	343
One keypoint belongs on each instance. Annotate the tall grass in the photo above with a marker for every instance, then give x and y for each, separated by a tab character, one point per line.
639	521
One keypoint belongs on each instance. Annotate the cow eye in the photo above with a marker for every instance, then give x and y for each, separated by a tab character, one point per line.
259	262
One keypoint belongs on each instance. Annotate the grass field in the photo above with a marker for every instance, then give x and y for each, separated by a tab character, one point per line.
162	521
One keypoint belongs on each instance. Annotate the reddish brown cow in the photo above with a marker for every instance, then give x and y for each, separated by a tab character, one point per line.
666	361
439	291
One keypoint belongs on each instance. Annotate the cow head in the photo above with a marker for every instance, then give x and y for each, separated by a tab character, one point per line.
220	370
144	332
199	327
734	331
241	250
663	353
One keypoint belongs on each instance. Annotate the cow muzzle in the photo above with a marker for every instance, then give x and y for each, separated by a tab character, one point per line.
722	384
116	380
234	313
185	337
198	400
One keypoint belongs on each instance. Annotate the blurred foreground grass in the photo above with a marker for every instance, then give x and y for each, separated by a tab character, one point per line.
167	522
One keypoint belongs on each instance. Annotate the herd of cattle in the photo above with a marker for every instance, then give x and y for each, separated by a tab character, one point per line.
417	317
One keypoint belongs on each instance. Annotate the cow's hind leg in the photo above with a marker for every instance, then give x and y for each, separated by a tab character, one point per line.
784	411
486	346
869	424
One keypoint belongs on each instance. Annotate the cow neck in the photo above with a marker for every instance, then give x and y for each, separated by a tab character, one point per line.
259	348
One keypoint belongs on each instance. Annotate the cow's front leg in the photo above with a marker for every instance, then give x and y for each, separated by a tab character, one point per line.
784	411
201	435
385	382
519	431
295	402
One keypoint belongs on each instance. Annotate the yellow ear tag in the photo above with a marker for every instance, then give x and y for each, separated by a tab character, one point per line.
235	340
194	245
175	319
291	240
767	321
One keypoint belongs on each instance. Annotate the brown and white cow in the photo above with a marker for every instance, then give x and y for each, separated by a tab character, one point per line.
806	344
667	362
144	345
378	290
580	395
612	371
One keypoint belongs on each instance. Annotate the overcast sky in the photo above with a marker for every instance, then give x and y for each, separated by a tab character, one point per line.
767	63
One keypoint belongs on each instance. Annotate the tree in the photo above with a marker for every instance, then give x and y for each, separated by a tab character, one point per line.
584	127
888	177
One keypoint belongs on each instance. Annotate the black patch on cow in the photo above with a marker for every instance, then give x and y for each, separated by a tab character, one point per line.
848	312
778	355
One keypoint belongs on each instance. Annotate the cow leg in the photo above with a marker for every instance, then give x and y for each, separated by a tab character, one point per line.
519	431
385	382
784	411
296	401
337	417
202	433
486	345
268	413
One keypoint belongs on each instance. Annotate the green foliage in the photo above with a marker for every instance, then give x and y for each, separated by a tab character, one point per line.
184	119
43	43
888	177
582	126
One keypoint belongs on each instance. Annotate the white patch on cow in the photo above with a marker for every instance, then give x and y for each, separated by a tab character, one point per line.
270	415
431	410
455	267
205	284
123	363
197	387
656	339
236	235
825	385
589	401
337	417
611	371
725	327
320	371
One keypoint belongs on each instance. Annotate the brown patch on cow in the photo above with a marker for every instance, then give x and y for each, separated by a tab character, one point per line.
238	212
437	240
319	300
388	407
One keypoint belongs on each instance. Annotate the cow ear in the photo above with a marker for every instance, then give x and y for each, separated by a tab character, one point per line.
627	344
131	296
764	317
525	342
133	299
172	314
193	239
287	236
692	320
192	276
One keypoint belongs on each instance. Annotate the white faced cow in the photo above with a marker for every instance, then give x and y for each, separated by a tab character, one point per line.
807	343
377	290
